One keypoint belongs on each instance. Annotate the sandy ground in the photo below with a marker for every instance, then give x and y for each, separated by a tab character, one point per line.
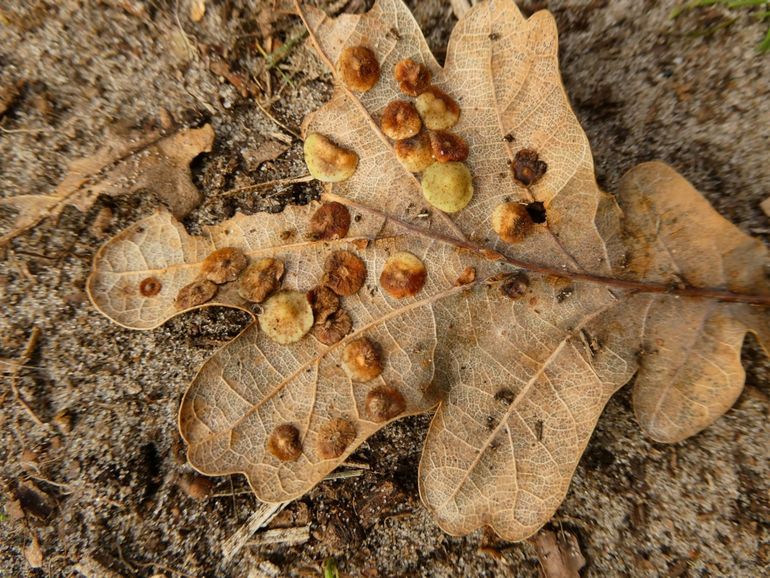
105	485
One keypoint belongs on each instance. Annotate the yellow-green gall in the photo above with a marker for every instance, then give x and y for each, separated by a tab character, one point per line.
415	153
438	110
447	186
286	317
328	162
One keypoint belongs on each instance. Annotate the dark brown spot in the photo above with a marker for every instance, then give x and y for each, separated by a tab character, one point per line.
284	443
494	36
384	403
224	265
358	68
324	302
413	78
514	285
528	168
447	146
564	294
333	328
334	437
505	396
536	212
331	221
150	286
344	273
196	293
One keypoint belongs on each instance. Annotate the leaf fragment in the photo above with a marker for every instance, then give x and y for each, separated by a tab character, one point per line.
151	161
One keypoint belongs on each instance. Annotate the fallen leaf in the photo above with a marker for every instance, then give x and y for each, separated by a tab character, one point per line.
33	553
765	205
197	10
559	555
149	161
524	353
267	151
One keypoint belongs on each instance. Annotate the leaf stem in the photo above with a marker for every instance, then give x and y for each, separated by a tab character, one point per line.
626	284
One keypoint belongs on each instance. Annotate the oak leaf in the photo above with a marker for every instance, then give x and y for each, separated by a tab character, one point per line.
520	345
151	160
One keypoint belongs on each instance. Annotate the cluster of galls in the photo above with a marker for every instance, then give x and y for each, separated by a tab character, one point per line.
436	152
287	316
423	143
403	275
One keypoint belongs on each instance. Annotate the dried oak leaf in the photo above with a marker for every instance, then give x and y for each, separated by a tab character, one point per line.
663	288
151	161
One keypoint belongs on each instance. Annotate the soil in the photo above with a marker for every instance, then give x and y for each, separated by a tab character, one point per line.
103	483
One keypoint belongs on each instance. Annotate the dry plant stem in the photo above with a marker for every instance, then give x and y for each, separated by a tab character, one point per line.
638	286
288	536
23	359
360	107
259	518
269	184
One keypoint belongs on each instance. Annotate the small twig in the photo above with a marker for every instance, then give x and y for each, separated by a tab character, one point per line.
344	474
276	121
23	359
259	519
268	184
291	536
26	130
357	465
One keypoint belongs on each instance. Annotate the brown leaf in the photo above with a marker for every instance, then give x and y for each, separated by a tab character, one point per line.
523	354
147	161
33	553
559	555
690	369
